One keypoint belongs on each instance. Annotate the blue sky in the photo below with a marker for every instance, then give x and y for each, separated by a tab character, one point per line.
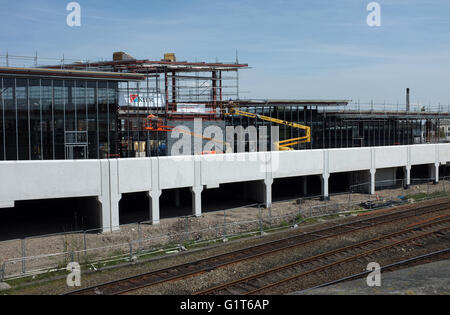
297	49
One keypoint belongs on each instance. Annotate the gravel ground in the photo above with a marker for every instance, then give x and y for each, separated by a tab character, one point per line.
428	279
169	231
204	281
58	287
435	281
239	270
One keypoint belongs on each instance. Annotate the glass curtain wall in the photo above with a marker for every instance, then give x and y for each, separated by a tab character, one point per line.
44	119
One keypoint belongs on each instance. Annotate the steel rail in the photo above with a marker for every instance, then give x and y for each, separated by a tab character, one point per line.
323	256
387	267
219	261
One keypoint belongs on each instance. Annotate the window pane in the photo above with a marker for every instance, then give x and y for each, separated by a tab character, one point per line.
80	105
47	119
70	106
2	143
91	94
113	118
103	119
22	118
10	118
35	119
60	99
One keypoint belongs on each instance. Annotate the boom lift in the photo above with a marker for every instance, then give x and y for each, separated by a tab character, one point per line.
154	123
284	145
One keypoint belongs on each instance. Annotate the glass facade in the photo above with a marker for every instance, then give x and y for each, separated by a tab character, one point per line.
56	119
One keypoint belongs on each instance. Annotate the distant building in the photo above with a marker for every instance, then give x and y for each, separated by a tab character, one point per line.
59	114
100	110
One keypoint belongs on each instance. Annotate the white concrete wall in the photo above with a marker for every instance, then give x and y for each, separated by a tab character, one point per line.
109	179
424	154
350	160
30	180
297	163
387	157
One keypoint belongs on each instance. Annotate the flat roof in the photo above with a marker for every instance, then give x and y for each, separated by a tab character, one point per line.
64	73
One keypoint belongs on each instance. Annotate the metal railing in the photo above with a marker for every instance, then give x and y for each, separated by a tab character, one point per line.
389	107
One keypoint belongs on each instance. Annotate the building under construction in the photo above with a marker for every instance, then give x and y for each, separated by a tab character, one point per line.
126	91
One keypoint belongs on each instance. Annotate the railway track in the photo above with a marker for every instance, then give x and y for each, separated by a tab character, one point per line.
279	276
219	261
428	258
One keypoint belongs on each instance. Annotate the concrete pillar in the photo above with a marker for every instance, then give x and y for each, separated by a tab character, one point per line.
115	223
115	195
434	172
268	192
197	201
105	214
437	174
325	189
154	206
373	173
407	179
110	197
305	186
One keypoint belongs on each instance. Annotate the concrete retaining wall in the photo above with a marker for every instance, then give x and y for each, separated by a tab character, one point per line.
109	179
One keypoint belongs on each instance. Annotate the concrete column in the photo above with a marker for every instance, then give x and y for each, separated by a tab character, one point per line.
437	173
104	198
407	171
373	173
154	206
268	192
305	186
272	163
434	172
110	197
115	194
197	201
105	214
325	189
115	223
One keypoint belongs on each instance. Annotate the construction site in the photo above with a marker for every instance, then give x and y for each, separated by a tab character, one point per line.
139	108
176	92
91	169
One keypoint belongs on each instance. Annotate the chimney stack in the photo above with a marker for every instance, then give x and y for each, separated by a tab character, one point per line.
407	100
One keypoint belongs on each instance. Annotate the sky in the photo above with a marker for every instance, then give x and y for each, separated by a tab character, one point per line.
302	49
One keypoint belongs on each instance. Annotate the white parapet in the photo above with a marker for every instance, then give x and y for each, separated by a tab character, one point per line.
108	180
